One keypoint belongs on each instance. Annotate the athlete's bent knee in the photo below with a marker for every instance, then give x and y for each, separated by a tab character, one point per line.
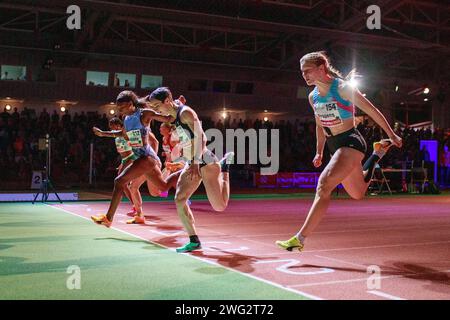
324	188
358	196
180	199
219	207
155	193
120	183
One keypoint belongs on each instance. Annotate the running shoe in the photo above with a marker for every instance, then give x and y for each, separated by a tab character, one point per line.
132	213
101	219
289	245
188	247
382	145
136	220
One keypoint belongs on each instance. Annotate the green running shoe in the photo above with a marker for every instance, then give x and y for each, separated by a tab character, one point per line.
289	245
188	247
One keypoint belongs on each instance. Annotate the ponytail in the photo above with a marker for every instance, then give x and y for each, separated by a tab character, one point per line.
352	74
320	58
332	71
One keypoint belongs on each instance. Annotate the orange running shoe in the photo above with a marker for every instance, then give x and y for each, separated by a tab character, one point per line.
136	220
101	219
382	146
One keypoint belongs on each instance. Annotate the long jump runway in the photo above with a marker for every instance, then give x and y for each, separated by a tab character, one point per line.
384	248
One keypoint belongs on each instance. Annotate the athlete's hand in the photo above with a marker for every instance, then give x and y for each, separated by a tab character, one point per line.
174	166
317	161
125	135
396	140
194	171
169	166
97	132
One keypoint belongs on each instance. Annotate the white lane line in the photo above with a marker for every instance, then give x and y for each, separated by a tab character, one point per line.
364	279
352	230
384	295
298	292
342	261
375	292
280	252
167	234
325	283
289	222
368	247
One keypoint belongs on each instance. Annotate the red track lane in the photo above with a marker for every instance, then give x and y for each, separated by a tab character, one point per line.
408	239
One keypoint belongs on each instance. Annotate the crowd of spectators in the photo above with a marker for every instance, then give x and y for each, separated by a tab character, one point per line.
71	137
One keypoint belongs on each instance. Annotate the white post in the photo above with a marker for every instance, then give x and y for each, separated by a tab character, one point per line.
91	161
49	156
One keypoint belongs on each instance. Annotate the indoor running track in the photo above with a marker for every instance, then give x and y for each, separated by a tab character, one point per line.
406	239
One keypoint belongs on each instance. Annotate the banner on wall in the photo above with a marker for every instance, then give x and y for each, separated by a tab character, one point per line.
287	180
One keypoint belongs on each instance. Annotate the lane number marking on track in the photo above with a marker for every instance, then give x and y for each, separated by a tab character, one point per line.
294	262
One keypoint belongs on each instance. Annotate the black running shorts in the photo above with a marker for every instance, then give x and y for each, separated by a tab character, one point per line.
351	139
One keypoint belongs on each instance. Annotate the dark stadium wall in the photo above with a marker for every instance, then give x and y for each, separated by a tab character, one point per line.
70	84
282	93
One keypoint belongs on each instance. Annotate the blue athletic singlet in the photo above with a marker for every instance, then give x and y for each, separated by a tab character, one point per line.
136	132
332	109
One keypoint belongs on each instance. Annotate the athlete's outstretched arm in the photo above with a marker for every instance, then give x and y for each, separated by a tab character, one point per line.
109	134
320	144
154	143
354	96
320	138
